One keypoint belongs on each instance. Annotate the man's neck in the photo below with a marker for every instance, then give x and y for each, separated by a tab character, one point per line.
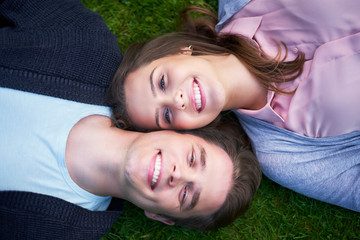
95	155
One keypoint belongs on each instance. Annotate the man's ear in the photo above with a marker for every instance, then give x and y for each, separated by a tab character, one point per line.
186	50
158	217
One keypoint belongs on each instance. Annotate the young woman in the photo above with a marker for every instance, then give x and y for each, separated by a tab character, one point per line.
285	62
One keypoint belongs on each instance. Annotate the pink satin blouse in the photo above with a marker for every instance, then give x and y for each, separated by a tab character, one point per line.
327	100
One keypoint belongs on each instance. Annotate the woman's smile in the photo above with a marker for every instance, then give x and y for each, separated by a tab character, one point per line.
197	97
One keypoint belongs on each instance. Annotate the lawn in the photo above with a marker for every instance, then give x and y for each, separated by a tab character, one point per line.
276	212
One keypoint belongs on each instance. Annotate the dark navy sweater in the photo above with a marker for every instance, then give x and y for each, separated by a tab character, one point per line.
61	49
56	48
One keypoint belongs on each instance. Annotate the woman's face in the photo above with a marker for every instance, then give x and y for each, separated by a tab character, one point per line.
175	92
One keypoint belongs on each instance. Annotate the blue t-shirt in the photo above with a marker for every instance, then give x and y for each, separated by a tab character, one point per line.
33	135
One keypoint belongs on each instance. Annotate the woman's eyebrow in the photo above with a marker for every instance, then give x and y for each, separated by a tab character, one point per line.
157	117
152	83
152	86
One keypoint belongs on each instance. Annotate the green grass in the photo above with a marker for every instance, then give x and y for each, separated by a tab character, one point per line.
137	20
276	213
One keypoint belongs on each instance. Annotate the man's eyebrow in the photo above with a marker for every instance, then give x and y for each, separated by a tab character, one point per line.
152	86
202	157
194	201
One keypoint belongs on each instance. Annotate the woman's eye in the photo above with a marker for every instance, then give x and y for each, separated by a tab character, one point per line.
162	83
167	116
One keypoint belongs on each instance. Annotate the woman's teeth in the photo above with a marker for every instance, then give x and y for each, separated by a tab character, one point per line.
156	170
197	96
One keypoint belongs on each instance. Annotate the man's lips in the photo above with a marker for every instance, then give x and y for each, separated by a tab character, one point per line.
154	172
197	97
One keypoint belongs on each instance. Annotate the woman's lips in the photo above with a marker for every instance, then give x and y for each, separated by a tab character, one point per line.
154	172
197	97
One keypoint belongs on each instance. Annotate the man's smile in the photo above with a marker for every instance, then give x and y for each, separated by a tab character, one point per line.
154	173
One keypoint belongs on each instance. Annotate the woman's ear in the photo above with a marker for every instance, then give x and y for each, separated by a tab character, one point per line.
186	50
159	218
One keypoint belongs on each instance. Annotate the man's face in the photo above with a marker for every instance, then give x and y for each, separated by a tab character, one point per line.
178	175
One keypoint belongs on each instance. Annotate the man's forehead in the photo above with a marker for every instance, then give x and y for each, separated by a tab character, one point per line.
219	177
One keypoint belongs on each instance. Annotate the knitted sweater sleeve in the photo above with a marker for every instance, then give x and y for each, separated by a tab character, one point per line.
23	14
26	215
56	48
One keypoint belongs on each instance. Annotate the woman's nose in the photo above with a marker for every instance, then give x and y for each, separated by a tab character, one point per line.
179	100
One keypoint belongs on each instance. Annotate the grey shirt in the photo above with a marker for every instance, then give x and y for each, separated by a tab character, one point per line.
326	169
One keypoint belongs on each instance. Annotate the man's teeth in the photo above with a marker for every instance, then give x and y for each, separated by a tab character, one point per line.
156	170
197	96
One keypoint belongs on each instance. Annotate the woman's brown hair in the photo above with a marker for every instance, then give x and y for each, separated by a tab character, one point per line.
200	33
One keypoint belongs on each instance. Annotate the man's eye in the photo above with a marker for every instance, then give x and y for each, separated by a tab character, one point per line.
184	194
167	115
192	160
162	83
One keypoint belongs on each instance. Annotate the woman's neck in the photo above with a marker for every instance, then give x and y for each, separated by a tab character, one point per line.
95	153
242	88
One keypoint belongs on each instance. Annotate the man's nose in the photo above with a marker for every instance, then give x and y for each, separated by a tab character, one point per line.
174	176
180	175
179	100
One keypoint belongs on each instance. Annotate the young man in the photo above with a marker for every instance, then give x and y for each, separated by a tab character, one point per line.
73	151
